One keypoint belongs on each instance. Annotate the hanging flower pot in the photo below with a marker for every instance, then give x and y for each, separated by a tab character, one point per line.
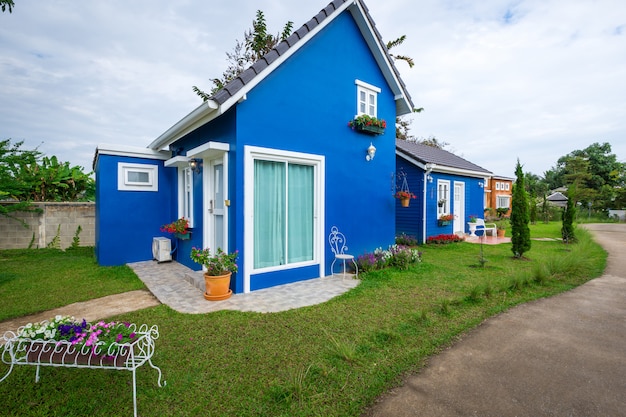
405	202
404	197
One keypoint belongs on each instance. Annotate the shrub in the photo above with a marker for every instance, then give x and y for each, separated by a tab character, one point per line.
407	240
398	256
444	239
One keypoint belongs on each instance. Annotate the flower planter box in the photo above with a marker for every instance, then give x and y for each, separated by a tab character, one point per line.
370	130
443	222
53	353
181	236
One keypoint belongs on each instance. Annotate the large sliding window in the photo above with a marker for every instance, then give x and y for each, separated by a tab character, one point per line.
284	210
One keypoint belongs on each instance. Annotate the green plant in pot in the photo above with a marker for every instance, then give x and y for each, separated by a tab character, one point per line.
219	268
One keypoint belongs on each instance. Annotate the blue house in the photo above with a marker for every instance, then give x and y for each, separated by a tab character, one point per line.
444	184
268	164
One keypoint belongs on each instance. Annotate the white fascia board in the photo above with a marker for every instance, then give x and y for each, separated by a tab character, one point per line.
442	168
241	94
202	114
132	151
208	150
177	162
403	106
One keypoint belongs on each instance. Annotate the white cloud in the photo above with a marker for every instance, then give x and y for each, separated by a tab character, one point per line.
498	79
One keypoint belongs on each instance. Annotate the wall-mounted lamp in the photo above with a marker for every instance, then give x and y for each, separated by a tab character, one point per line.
371	152
429	178
195	165
481	184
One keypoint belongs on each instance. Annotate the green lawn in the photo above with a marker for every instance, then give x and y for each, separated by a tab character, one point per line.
35	280
332	359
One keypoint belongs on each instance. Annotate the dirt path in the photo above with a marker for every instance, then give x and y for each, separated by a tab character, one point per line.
91	310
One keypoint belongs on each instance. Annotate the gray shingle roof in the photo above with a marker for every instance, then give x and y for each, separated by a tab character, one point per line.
431	155
249	74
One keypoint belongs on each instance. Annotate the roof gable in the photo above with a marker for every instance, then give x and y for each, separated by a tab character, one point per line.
429	157
237	89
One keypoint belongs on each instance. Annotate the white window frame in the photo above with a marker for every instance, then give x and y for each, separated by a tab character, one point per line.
443	185
124	182
500	198
370	104
507	186
497	186
185	194
252	153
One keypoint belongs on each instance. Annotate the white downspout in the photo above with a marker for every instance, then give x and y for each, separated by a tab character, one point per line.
429	169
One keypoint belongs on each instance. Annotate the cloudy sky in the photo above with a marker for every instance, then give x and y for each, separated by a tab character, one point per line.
499	80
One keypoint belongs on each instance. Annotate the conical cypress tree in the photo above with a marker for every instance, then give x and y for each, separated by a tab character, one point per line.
567	228
519	215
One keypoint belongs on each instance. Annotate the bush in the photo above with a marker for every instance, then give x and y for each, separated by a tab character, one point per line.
406	240
398	256
445	239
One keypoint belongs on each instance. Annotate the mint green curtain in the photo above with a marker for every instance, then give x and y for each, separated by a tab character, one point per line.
283	213
269	213
300	213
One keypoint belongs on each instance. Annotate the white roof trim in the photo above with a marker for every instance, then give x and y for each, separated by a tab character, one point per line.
210	110
442	168
131	151
198	117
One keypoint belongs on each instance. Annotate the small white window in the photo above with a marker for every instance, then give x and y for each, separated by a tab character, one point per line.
497	186
367	99
506	186
443	197
137	177
185	194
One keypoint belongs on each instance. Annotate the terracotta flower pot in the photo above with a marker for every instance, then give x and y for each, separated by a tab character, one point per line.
405	202
501	232
217	287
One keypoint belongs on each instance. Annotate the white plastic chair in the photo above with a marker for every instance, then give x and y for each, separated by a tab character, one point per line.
487	227
337	242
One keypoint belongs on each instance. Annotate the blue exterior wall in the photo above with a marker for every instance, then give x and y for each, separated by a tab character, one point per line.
302	106
411	220
305	106
128	220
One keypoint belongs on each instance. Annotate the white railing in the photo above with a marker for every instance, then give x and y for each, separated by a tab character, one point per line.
124	356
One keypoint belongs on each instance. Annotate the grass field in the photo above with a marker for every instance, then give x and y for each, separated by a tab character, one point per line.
331	359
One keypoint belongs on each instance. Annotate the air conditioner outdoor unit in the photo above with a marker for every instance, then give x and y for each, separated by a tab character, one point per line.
161	249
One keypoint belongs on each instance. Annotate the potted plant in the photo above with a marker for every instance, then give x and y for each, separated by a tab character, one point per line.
368	124
219	268
501	226
441	202
404	197
179	228
445	219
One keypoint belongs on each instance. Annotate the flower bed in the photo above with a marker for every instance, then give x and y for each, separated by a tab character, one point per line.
398	256
66	342
444	239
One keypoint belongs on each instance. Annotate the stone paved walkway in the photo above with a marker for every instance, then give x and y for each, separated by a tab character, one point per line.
173	284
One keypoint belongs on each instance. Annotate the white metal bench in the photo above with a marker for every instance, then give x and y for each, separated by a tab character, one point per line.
127	357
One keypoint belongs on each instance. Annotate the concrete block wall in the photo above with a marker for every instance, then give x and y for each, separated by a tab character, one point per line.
44	226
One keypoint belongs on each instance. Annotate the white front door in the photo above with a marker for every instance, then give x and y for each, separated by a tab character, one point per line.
459	207
215	191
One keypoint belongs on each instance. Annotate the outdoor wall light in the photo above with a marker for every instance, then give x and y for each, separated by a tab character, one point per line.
429	178
481	184
371	152
195	165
